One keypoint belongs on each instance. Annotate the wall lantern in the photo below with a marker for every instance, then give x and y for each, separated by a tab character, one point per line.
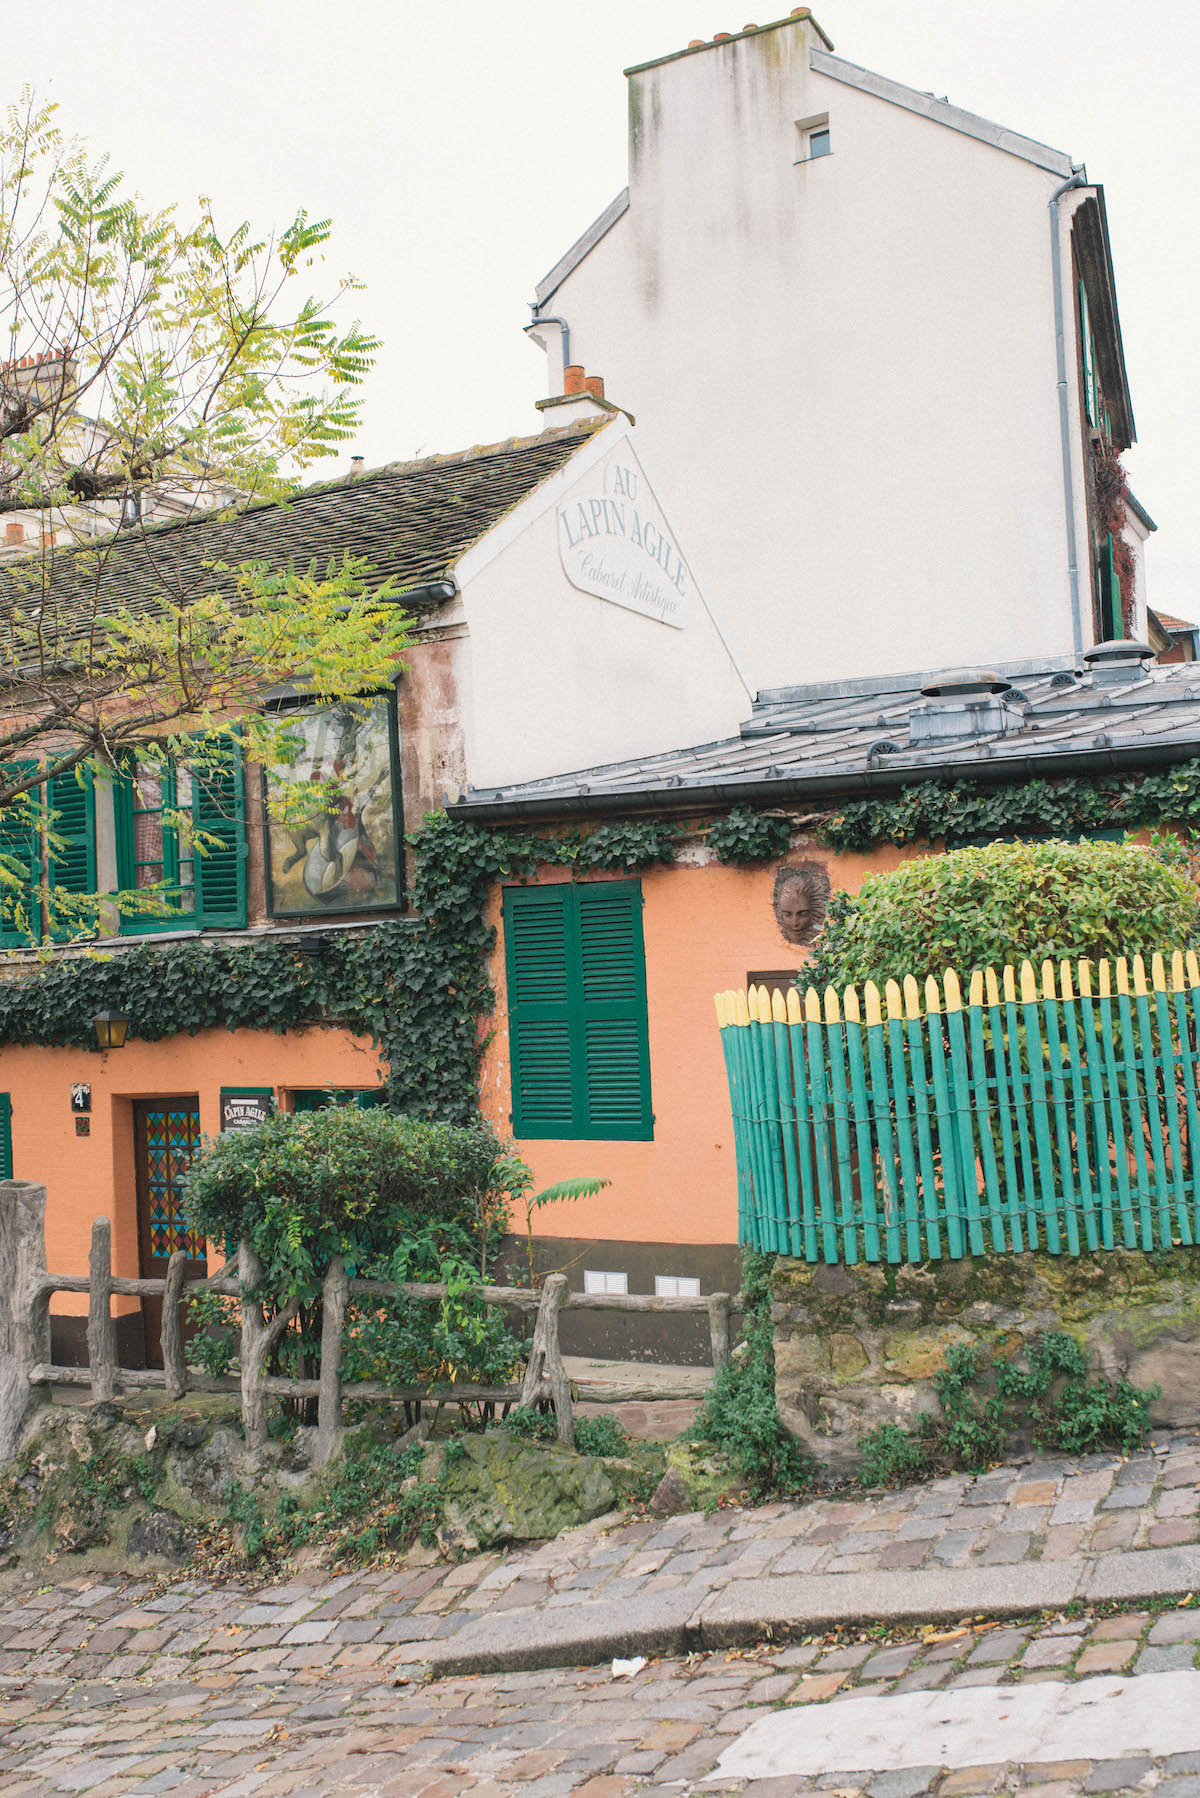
111	1028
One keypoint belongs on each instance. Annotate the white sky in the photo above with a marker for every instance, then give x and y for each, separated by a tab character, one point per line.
460	148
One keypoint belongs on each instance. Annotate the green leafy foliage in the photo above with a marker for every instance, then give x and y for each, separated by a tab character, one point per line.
891	1456
975	908
931	809
426	1342
747	836
1047	1392
304	1187
740	1415
600	1436
374	1498
529	1424
217	1340
1069	1411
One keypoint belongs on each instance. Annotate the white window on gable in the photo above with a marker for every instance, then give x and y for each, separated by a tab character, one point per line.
598	1280
814	137
676	1286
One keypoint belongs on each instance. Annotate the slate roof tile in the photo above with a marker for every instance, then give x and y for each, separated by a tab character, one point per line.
851	736
412	520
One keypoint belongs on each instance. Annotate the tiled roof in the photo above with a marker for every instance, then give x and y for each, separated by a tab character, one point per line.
852	737
1174	624
412	520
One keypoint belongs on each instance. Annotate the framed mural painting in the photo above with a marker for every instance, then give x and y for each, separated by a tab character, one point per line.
340	850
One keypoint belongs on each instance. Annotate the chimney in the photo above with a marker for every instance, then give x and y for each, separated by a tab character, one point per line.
356	467
14	531
582	397
963	702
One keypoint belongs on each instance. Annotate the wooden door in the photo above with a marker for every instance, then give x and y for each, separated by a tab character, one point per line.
166	1132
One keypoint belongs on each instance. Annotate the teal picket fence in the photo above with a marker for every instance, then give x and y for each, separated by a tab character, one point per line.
1059	1114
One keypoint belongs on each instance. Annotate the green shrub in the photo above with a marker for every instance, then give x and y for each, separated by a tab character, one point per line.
1005	902
600	1436
303	1187
891	1456
740	1415
530	1424
982	1401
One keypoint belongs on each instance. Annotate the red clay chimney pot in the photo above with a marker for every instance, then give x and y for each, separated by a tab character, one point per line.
595	386
573	378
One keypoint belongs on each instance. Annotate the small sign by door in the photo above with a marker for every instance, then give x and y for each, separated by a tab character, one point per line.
243	1107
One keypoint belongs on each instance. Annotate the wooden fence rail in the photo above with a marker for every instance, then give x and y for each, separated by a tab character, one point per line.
25	1365
1059	1114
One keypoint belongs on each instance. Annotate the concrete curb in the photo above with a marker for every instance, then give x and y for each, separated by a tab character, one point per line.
753	1610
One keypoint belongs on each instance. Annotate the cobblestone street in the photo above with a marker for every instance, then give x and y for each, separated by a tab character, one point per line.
348	1729
1046	1511
125	1686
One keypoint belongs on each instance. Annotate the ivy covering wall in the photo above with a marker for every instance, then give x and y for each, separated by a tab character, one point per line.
419	987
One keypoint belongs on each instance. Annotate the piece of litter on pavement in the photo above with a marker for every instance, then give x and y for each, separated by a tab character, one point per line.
627	1669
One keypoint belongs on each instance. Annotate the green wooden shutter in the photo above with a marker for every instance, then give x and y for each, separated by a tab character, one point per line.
219	815
1089	356
73	863
1110	594
6	1171
577	1012
21	843
535	941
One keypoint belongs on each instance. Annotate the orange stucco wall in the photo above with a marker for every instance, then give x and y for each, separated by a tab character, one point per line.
705	928
93	1176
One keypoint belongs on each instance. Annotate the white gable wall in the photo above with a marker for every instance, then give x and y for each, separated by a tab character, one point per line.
845	369
553	678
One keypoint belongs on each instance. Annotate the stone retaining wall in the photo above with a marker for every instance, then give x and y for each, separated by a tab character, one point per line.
858	1346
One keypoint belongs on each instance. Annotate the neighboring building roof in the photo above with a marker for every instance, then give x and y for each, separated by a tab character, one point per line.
852	736
1056	162
566	265
796	16
412	520
1139	511
1175	624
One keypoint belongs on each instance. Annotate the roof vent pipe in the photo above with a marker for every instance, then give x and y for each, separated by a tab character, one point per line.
963	703
1118	662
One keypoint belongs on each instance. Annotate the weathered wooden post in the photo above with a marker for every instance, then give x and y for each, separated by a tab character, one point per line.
718	1329
258	1339
545	1376
174	1364
254	1350
24	1306
101	1328
335	1298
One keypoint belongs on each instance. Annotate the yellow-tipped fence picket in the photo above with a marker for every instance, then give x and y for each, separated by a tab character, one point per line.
1057	1113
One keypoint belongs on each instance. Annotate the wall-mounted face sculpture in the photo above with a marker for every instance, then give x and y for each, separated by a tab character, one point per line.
799	899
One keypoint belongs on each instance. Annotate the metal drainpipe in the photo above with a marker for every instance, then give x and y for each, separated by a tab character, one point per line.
563	326
1078	179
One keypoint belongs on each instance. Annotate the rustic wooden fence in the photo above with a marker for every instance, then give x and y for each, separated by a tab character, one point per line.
25	1366
1059	1114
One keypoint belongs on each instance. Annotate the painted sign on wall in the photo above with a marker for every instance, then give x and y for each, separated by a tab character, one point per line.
242	1107
614	543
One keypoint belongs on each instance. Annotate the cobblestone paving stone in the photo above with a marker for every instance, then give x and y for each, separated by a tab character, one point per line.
124	1685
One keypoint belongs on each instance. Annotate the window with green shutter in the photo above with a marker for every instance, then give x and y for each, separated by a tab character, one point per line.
577	1011
205	881
72	840
21	846
6	1168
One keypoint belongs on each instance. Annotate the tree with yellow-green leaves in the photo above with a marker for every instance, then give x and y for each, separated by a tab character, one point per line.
163	383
